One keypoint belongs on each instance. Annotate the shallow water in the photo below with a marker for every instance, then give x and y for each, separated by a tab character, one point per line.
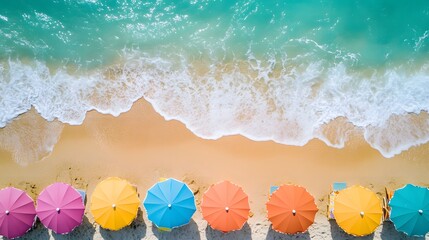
287	71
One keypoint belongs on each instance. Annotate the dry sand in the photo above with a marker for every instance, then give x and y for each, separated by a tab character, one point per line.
141	146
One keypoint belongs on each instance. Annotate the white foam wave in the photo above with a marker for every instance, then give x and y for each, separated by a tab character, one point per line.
283	101
61	95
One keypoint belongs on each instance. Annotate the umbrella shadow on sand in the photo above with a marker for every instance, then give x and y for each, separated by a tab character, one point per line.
338	234
84	231
244	233
189	231
389	232
38	232
136	230
274	235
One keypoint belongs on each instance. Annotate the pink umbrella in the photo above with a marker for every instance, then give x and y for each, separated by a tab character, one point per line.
17	213
60	208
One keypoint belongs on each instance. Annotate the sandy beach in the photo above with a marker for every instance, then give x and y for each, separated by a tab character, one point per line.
141	147
259	93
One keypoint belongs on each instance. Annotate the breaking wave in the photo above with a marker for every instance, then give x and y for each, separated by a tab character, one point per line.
261	99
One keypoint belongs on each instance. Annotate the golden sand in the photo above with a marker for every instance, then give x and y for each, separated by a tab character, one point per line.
142	147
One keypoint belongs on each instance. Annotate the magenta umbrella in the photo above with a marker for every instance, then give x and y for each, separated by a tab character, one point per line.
60	208
17	213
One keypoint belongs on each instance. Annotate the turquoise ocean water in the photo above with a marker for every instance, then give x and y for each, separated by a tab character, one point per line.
266	69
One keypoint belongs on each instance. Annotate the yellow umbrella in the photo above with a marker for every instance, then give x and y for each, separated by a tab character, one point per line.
114	203
358	210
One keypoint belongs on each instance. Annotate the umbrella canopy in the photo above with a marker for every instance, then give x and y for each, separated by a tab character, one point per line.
114	203
291	209
225	206
170	204
17	212
358	210
410	210
60	208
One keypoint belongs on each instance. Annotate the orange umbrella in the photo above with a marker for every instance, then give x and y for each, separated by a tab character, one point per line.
225	206
291	209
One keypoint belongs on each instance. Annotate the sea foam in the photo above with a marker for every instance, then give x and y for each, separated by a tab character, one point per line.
263	100
30	138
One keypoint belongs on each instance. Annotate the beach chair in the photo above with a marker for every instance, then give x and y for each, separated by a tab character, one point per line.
163	229
273	189
335	189
386	208
83	195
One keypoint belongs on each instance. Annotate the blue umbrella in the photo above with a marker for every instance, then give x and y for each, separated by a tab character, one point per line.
169	204
410	210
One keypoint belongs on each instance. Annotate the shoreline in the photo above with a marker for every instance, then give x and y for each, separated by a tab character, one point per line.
194	89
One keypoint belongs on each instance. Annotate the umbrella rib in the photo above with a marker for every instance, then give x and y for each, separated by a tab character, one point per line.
217	211
158	185
278	205
49	218
49	197
130	220
373	218
407	220
19	209
20	220
2	206
116	194
187	192
123	196
425	204
156	196
345	219
186	207
279	212
187	218
75	194
235	219
121	207
208	197
2	219
303	227
105	215
101	201
242	198
413	230
221	197
10	192
407	217
129	198
21	197
111	186
24	203
236	191
371	229
299	197
71	214
283	201
159	219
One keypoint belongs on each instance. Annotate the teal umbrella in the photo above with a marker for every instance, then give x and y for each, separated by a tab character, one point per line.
169	204
410	210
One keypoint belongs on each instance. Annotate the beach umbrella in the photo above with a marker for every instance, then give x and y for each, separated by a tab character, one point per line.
169	204
291	209
17	212
410	210
114	203
358	210
225	206
60	208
